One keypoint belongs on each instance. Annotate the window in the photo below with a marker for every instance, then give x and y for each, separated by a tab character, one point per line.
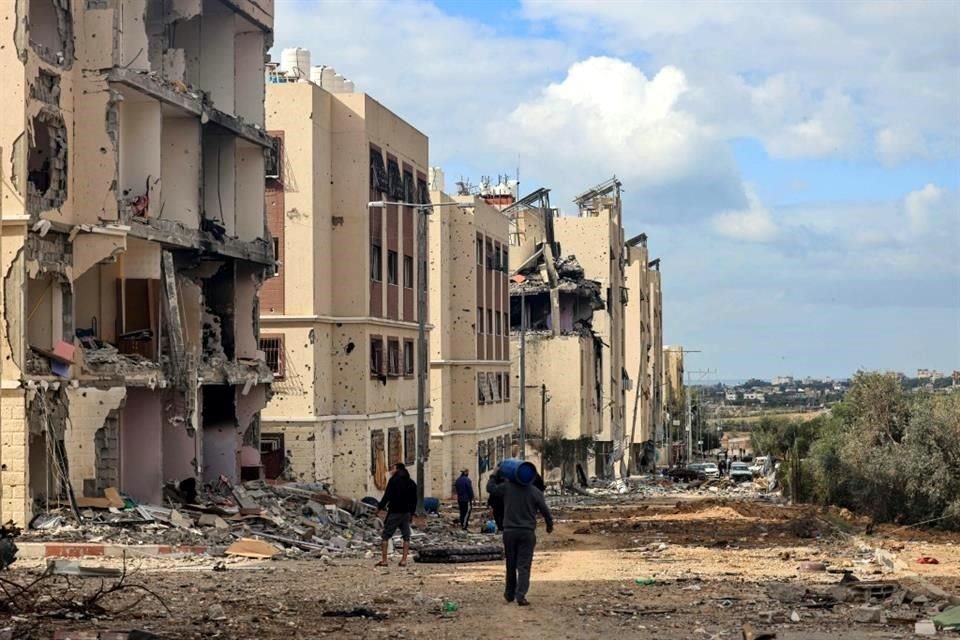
479	321
376	450
272	347
489	255
391	267
506	386
410	445
408	272
490	321
501	446
506	327
394	446
378	172
376	356
498	386
423	197
394	179
393	357
408	357
491	450
276	255
271	158
376	264
493	389
496	318
480	250
409	186
481	388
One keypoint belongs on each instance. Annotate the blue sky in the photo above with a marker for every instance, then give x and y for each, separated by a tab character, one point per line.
796	165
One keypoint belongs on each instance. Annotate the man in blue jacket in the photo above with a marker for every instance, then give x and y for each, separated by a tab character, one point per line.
464	497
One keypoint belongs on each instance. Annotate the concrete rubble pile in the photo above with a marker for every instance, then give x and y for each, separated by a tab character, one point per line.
304	518
654	486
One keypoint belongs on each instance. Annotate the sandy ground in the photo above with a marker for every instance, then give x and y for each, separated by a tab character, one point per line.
711	562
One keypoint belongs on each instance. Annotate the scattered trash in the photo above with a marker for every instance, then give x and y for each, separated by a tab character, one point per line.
356	612
646	582
812	567
925	628
794	616
927	560
249	548
449	606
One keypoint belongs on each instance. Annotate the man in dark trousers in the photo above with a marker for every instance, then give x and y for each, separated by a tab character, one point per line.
399	501
521	504
464	497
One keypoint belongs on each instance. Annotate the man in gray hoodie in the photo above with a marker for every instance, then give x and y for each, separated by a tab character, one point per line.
521	504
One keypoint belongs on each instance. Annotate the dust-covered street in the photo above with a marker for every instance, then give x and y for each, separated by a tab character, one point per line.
660	568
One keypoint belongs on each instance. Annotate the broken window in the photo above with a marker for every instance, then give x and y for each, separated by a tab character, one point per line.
408	357
410	444
506	386
51	30
272	455
378	173
394	447
481	388
479	322
408	272
490	260
409	187
423	196
272	347
392	267
138	316
46	88
501	445
493	386
376	258
480	250
376	452
497	324
47	163
393	357
219	319
394	180
271	158
376	356
490	321
498	387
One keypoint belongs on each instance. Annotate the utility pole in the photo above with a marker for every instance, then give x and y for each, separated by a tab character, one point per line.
422	433
523	377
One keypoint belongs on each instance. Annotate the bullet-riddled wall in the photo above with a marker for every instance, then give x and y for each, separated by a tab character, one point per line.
343	337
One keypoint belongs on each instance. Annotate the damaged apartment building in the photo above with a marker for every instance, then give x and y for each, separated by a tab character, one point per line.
339	319
567	299
133	246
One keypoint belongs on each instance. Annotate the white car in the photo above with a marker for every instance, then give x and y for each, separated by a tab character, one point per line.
711	470
759	464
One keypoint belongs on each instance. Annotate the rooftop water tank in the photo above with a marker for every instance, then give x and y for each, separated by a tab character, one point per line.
338	81
348	86
295	62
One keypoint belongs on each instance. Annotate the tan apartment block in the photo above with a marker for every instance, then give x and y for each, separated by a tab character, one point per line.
643	354
133	246
675	401
595	237
474	420
338	321
551	295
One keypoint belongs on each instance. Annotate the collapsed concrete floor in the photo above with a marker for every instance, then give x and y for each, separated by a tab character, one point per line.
715	566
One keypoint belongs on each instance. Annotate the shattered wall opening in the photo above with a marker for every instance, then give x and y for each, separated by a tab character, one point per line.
46	163
219	317
141	439
180	166
107	460
221	439
46	88
50	28
139	156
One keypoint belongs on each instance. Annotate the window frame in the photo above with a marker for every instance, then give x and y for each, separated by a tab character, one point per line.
281	360
409	364
376	356
276	255
393	357
393	275
409	444
481	381
407	271
376	261
480	317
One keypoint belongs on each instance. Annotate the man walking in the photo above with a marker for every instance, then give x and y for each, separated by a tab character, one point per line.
399	501
464	497
521	504
495	499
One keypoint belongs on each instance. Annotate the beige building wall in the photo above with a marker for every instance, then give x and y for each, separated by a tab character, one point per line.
470	354
110	232
595	237
675	400
332	416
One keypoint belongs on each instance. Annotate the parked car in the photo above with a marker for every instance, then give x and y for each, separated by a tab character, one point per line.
758	465
685	474
710	469
740	472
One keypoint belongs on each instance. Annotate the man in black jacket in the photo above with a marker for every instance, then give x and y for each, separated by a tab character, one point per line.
521	504
399	501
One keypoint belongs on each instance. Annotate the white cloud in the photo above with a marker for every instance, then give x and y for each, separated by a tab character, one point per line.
923	205
753	224
606	116
896	144
805	78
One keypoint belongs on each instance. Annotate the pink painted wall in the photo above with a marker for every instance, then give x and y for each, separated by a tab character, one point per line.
179	449
141	443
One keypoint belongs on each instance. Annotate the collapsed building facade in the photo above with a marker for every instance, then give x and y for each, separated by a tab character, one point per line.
339	319
133	246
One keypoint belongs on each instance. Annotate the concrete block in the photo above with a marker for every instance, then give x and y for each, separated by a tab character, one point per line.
867	615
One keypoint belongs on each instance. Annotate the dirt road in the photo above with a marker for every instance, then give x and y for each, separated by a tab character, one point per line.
712	565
